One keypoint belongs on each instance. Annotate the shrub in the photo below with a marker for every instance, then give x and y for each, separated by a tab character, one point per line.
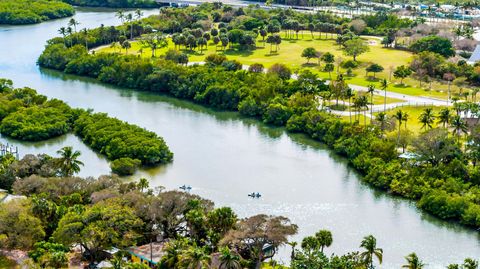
125	166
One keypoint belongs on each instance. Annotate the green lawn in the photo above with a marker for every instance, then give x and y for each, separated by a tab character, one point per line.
413	123
290	54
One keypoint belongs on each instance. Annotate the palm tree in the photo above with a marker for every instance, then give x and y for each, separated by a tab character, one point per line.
74	23
363	103
114	46
384	86
371	90
142	184
121	15
369	243
427	118
126	45
382	119
349	94
444	116
400	117
129	19
229	259
173	252
195	258
292	244
138	14
459	126
324	238
413	262
406	117
85	35
68	162
63	32
69	32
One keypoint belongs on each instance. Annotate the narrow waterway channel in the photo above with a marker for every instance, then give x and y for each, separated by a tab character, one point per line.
224	157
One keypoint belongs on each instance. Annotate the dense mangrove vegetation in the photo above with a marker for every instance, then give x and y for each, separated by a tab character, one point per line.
28	116
28	11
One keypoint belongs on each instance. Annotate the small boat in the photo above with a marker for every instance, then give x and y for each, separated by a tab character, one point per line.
185	188
254	195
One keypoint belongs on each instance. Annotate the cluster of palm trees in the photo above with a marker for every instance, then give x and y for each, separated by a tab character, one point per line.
129	19
69	30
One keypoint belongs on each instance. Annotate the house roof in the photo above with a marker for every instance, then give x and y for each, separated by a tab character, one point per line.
475	55
143	252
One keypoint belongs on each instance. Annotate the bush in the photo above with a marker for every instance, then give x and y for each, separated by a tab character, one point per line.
349	64
125	166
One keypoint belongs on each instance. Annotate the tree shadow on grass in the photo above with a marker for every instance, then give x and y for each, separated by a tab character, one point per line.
401	86
309	65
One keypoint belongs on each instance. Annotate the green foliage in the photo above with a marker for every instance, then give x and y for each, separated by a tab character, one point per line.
125	166
117	139
19	229
49	255
35	123
436	44
99	227
33	11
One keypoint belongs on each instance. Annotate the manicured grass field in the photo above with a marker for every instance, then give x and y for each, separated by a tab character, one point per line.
413	124
290	52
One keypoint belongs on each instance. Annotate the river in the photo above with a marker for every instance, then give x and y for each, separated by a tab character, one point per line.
225	157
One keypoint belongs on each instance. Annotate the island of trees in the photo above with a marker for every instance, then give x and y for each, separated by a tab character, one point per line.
28	116
29	12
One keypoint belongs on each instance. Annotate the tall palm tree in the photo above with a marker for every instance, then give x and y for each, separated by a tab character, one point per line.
129	19
382	118
413	262
68	162
195	258
324	238
427	118
349	94
384	86
369	243
143	184
444	116
74	23
85	35
371	90
69	32
229	259
120	15
292	244
138	14
406	117
459	126
63	32
400	117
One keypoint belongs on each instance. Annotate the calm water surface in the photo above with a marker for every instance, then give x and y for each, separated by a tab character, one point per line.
224	157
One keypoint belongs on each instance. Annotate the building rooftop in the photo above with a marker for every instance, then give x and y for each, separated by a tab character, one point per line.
156	251
475	55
